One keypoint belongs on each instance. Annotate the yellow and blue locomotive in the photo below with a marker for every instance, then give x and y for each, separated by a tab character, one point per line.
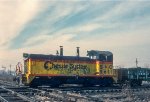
55	70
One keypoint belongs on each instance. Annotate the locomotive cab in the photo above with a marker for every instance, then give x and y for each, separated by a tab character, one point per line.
104	64
100	55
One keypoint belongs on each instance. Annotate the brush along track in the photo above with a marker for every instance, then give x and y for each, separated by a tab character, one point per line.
102	94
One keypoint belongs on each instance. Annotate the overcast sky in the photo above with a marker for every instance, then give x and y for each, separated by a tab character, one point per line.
41	26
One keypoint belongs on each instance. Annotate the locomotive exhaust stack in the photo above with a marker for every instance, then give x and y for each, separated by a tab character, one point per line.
57	53
61	50
78	51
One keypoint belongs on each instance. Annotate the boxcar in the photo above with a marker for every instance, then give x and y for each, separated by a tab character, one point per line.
134	75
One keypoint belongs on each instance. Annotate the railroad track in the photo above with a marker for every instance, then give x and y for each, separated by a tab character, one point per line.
63	96
8	95
26	94
95	94
90	90
9	92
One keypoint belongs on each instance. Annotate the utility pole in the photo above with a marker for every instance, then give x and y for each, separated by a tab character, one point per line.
4	69
136	63
10	69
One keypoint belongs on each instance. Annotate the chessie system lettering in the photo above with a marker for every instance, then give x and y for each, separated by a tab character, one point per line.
48	65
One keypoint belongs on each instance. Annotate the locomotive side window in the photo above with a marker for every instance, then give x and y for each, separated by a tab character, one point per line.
110	58
102	57
94	57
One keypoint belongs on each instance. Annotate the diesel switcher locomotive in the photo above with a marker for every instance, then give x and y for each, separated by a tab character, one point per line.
55	70
95	69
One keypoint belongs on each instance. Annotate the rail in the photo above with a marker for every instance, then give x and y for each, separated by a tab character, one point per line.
72	94
12	94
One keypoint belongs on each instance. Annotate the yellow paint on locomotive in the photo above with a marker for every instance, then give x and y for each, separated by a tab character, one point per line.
27	68
97	68
106	69
62	68
67	68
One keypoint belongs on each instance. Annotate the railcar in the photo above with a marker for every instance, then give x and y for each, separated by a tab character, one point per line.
55	70
134	76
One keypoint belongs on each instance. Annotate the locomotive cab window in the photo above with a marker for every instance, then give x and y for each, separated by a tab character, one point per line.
93	57
110	58
102	57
